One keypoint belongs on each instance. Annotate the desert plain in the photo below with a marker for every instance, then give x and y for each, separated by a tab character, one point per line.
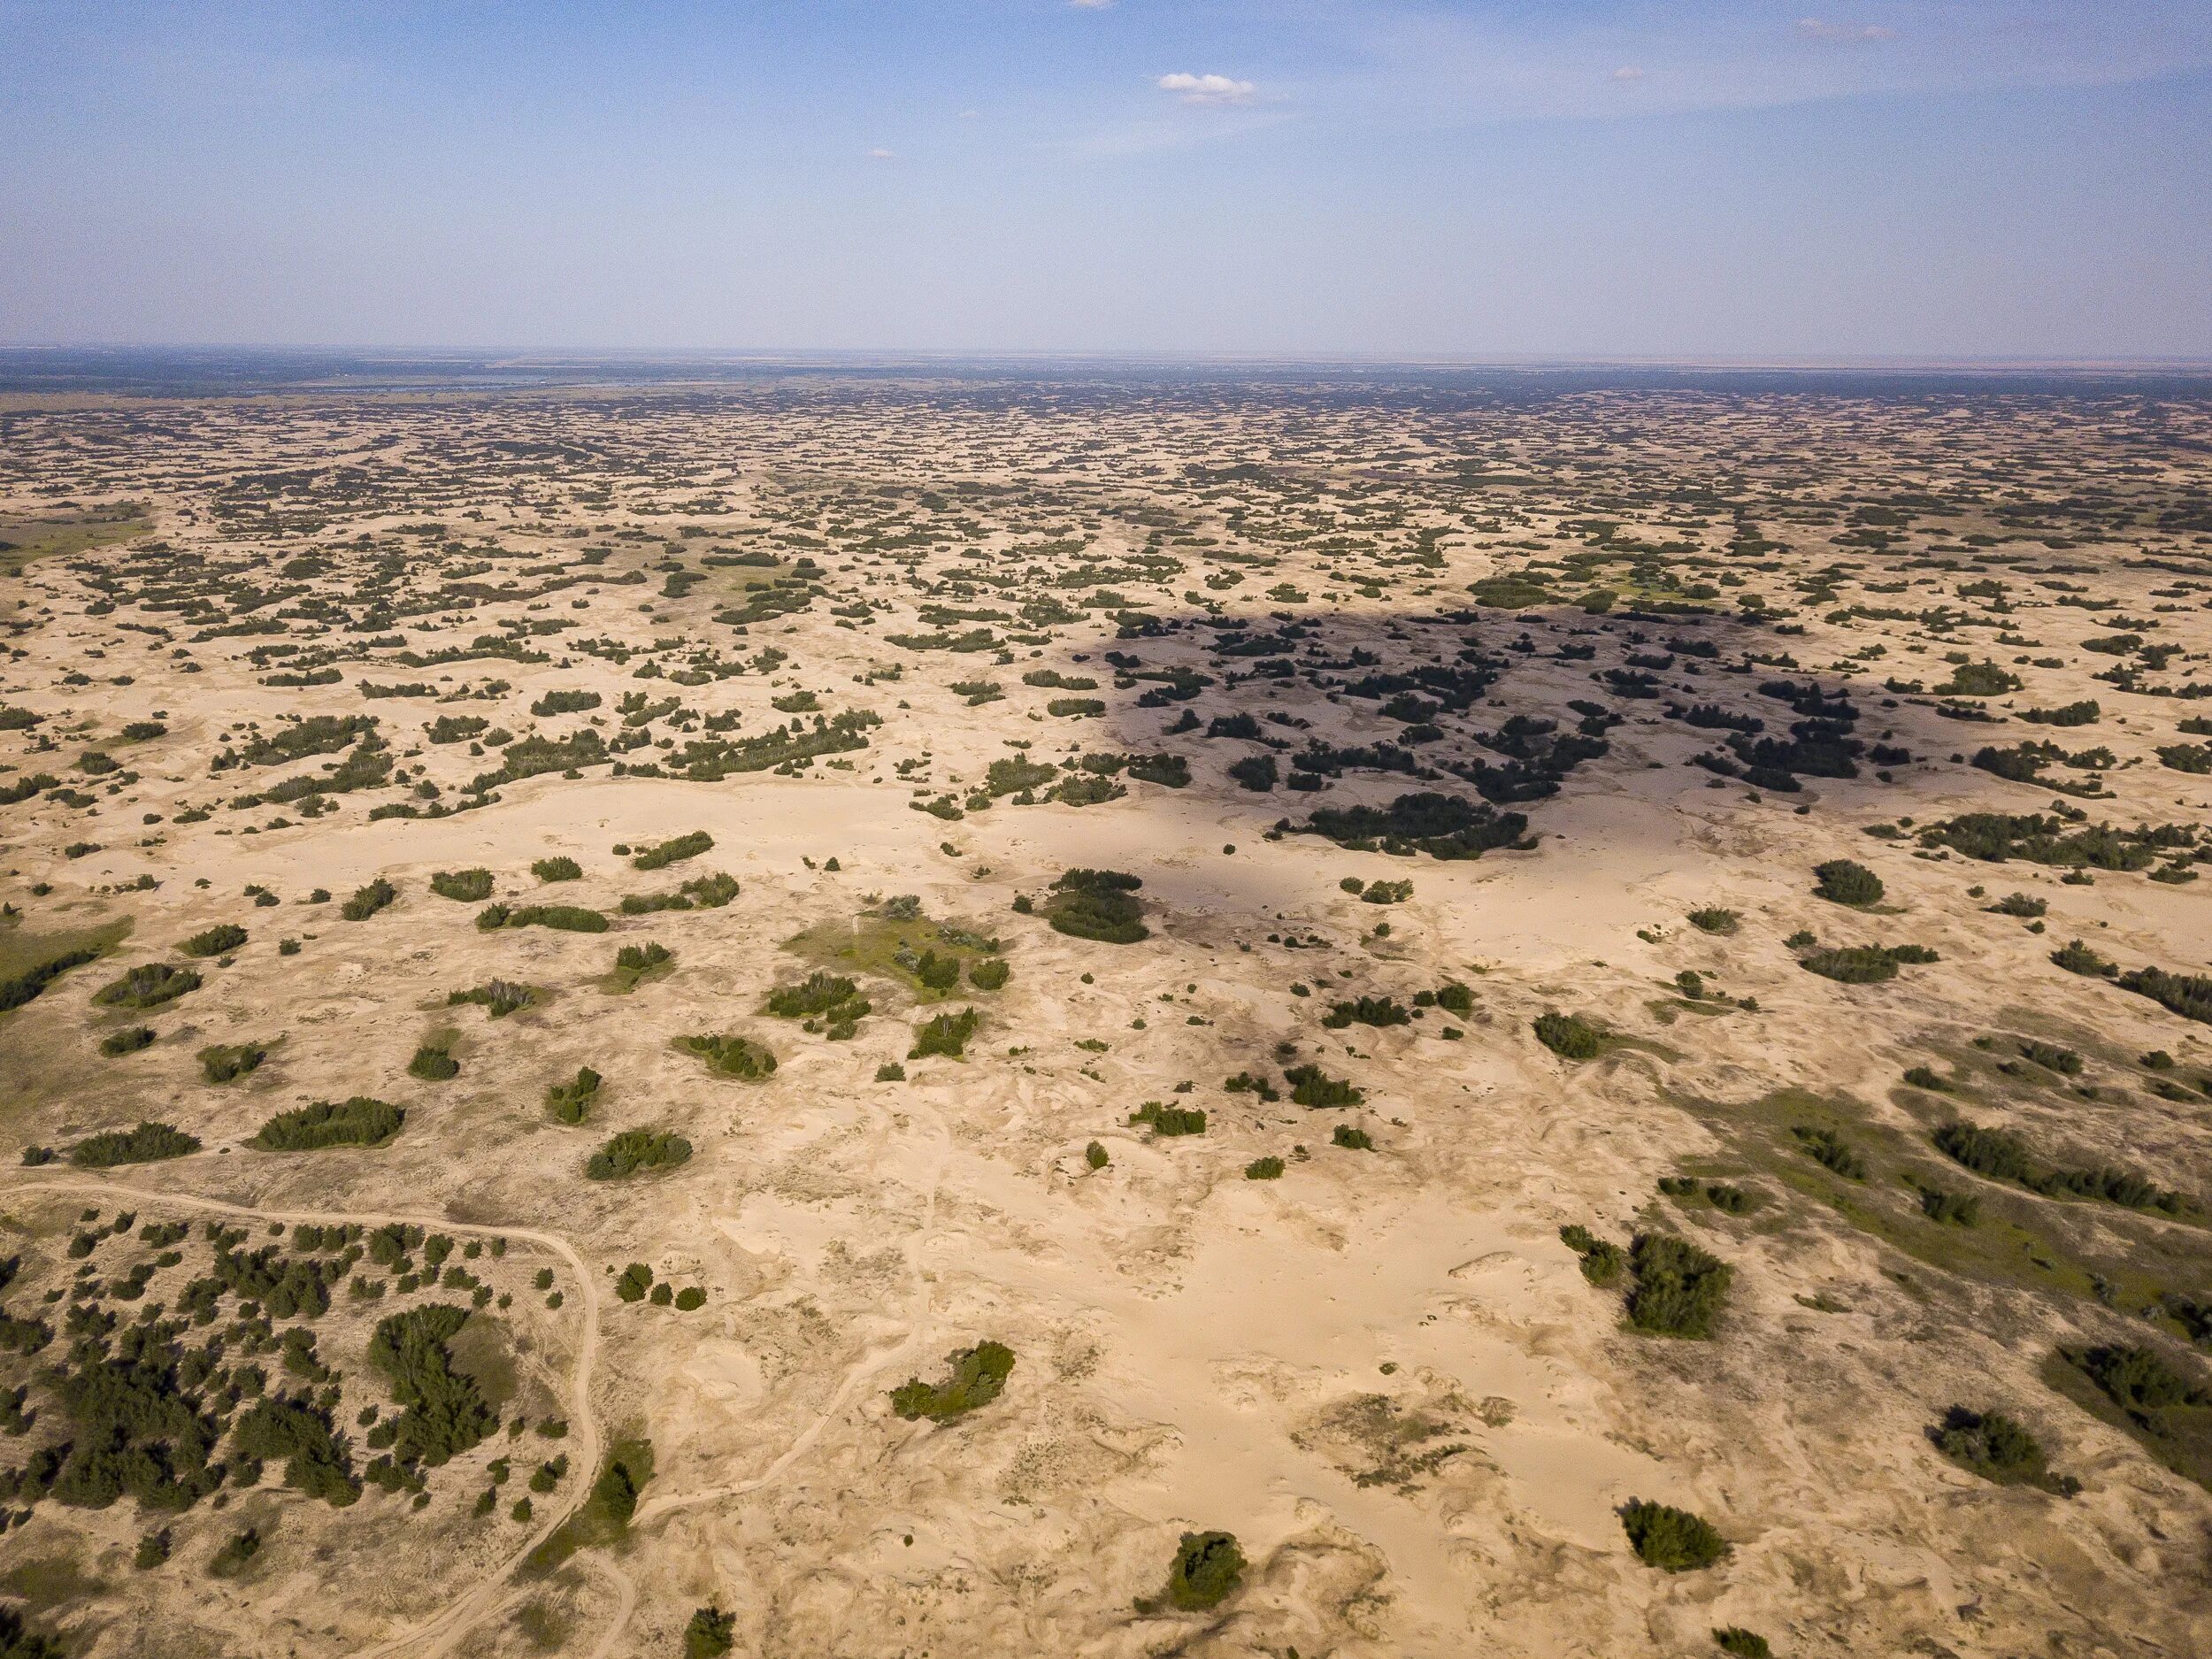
1092	1013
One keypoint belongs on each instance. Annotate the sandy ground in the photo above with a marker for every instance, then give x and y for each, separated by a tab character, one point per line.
1383	1373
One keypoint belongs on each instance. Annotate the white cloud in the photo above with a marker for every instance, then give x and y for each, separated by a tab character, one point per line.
883	155
1208	88
1090	5
1820	29
1628	72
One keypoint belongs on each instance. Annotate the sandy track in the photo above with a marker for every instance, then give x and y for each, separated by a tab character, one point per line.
437	1633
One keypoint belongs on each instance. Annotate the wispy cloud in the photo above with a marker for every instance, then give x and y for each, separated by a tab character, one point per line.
1821	29
1627	72
881	154
1090	5
1208	88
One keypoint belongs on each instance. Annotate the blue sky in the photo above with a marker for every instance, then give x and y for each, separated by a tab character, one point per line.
1881	178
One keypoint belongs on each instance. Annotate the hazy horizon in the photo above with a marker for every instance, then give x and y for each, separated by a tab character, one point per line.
1904	181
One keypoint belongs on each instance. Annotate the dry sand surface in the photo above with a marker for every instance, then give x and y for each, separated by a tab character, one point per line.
1426	721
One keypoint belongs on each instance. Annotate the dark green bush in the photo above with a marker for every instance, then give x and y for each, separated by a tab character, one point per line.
946	1034
443	1412
710	1634
1568	1036
368	900
567	918
1825	1146
571	1103
1163	1119
227	1063
1367	1010
1601	1259
1738	1643
470	886
989	973
357	1122
2141	1380
1097	904
130	1039
1454	998
1713	919
214	941
148	985
635	1149
1352	1140
1671	1539
433	1063
1680	1289
979	1375
559	867
670	852
497	997
731	1056
1997	1447
819	992
1959	1209
1268	1168
1842	881
1311	1085
148	1143
1206	1571
2187	994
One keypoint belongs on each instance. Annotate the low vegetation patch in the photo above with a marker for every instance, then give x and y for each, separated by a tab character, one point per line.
731	1056
1671	1539
1098	904
636	1149
1206	1569
149	1143
358	1122
978	1375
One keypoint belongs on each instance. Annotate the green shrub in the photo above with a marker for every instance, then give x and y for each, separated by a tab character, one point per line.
497	997
1997	1447
149	1143
989	973
1602	1261
710	1634
1352	1140
819	992
2075	957
635	1281
1680	1289
1378	1011
2187	994
690	1299
1863	964
30	985
1206	1571
2065	1061
635	1149
357	1122
2021	904
368	900
1671	1539
1094	1156
568	918
238	1550
148	985
638	960
1311	1085
1826	1148
670	852
1454	998
1269	1169
1713	919
227	1063
1922	1076
443	1412
1740	1643
1568	1036
571	1103
557	868
433	1063
1163	1119
1963	1209
1097	904
731	1056
978	1375
2140	1380
469	887
215	942
130	1039
947	1034
1842	881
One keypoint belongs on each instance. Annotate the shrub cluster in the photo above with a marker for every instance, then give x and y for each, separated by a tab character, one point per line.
635	1149
731	1056
1097	904
358	1122
979	1375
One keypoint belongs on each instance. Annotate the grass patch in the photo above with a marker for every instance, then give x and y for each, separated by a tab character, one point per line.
901	948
